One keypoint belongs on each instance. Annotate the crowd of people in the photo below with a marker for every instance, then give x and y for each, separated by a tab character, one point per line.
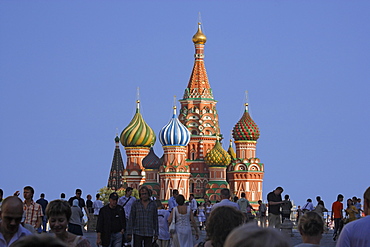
146	221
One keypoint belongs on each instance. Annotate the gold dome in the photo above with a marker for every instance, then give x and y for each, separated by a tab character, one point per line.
199	37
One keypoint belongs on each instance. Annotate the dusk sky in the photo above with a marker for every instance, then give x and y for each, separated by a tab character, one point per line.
69	72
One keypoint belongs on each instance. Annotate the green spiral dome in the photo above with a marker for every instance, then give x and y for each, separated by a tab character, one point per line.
138	133
217	156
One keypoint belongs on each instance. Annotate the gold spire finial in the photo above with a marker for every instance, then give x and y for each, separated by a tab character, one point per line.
246	100
199	37
174	105
137	99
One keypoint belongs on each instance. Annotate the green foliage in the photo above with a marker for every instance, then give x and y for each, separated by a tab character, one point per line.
105	192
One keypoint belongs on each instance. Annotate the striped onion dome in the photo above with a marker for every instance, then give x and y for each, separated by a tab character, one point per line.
231	151
217	156
174	133
246	129
138	133
151	161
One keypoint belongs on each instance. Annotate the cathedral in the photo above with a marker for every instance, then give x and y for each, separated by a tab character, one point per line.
193	159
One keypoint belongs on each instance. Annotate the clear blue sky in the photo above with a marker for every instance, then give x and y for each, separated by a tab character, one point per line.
69	72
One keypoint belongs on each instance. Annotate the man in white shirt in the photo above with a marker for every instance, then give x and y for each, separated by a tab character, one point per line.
308	206
356	233
11	215
172	201
126	202
193	204
225	195
97	205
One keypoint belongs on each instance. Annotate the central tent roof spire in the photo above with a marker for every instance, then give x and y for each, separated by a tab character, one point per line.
198	86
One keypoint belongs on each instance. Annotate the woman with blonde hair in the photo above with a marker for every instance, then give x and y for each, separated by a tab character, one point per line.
311	227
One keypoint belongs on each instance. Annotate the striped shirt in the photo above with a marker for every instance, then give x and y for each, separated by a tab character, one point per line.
143	221
32	213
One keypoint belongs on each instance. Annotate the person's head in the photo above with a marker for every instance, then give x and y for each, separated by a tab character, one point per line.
259	202
367	202
39	240
62	196
159	204
225	193
309	200
42	195
318	198
221	222
78	193
251	235
354	200
278	190
144	193
320	203
28	192
349	202
113	198
311	227
97	196
180	199
128	191
191	197
1	194
11	215
175	193
235	199
242	195
340	198
286	197
58	212
75	203
89	197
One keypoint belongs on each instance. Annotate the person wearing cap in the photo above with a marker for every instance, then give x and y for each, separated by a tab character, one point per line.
274	203
111	223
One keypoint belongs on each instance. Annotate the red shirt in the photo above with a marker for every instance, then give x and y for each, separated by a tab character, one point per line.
337	208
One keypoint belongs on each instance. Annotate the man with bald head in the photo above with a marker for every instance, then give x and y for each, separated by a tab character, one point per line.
10	226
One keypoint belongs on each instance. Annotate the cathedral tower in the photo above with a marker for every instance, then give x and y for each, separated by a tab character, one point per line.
137	138
217	159
198	113
174	172
116	171
151	163
245	173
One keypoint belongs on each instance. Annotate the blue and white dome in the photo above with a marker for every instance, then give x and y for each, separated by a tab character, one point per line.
174	133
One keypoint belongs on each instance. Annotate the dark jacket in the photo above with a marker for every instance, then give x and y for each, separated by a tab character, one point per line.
110	221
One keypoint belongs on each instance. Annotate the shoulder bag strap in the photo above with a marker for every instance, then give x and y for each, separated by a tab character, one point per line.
126	202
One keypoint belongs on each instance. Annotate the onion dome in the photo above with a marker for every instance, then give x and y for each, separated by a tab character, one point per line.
138	133
199	37
174	133
217	156
246	129
231	151
116	139
151	161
